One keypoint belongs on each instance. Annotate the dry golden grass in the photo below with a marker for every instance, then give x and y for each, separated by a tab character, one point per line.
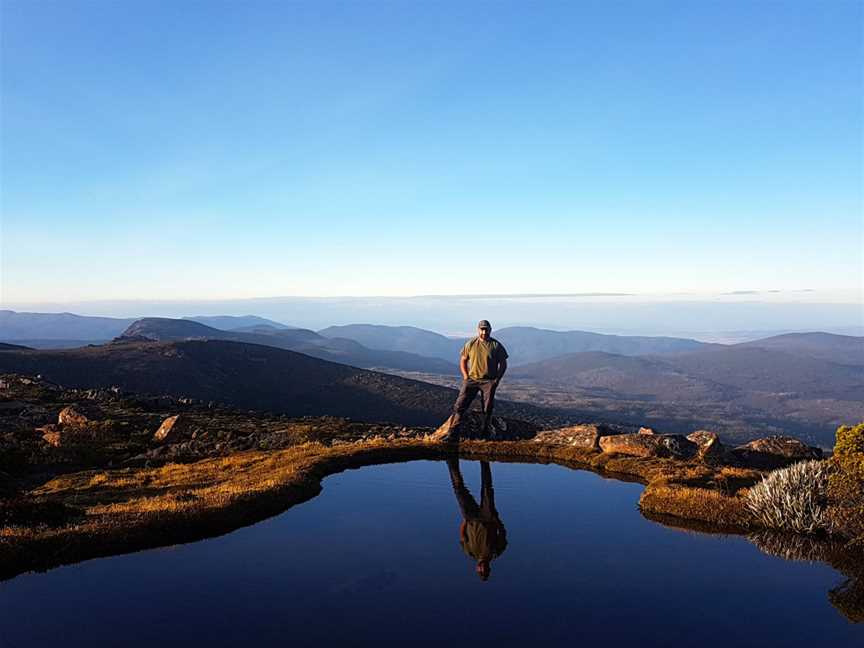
696	504
130	509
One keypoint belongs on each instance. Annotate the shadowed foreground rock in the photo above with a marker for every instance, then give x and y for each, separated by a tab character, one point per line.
710	449
501	428
775	452
173	429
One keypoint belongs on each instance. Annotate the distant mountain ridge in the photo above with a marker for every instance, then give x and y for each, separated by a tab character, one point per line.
48	330
59	326
399	338
842	349
249	376
524	343
707	374
295	339
634	377
531	344
236	322
4	346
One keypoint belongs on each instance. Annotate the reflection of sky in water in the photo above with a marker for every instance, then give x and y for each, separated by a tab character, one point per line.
376	557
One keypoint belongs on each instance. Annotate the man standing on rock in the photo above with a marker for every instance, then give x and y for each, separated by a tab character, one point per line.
482	362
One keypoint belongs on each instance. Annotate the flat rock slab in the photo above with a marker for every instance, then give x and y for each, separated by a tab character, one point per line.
501	428
585	435
173	429
650	445
774	452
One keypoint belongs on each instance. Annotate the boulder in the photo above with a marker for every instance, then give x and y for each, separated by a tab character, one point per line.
51	434
585	435
173	429
710	448
650	445
500	428
71	435
774	452
72	417
702	437
647	430
715	453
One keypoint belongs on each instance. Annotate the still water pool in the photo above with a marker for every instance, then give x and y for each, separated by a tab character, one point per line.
407	554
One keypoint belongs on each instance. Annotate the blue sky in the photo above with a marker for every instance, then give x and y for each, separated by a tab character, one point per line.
183	150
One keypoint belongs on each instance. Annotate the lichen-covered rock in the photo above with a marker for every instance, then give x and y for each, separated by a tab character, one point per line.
50	434
710	449
715	453
702	437
586	435
500	428
64	436
650	445
72	417
774	452
172	430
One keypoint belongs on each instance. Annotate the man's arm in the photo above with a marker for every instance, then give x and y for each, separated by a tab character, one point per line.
502	367
463	361
463	366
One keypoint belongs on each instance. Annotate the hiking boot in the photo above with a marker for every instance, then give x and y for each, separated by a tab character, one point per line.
450	437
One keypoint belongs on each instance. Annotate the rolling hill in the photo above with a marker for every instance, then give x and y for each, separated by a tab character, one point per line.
524	344
248	376
842	349
11	347
59	327
399	338
295	339
629	377
527	344
236	322
755	369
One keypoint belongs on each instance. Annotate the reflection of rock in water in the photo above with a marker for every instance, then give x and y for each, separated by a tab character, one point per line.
848	597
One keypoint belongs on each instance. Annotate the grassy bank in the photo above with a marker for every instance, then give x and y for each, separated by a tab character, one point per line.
106	512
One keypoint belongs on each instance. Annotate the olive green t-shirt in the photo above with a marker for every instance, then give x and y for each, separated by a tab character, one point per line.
484	539
483	358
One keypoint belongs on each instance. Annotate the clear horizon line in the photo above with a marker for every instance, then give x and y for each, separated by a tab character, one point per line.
695	296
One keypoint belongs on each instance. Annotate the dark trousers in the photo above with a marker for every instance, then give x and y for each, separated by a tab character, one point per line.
467	504
469	390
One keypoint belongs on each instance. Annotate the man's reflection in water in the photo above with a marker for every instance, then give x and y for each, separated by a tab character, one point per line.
481	533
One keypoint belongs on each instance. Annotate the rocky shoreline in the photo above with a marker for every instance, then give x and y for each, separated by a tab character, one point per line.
99	472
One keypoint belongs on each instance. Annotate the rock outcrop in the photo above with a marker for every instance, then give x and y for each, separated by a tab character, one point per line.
500	428
173	429
774	452
710	449
72	417
585	435
51	434
650	445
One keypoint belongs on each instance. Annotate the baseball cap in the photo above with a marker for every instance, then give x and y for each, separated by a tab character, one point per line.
484	324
